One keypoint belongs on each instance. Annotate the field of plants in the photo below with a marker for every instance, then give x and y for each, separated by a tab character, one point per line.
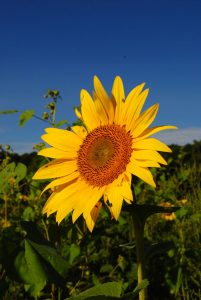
41	260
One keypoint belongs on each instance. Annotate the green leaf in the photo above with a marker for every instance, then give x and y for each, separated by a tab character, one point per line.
52	257
74	252
12	171
25	116
136	291
28	214
32	263
99	297
38	276
7	112
28	268
21	261
179	280
121	262
143	211
141	286
60	123
105	291
107	268
5	175
20	171
183	212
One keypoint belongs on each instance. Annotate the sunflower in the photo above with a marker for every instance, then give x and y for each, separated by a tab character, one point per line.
94	163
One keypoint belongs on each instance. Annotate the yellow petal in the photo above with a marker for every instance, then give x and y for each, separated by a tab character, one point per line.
61	180
145	163
152	144
80	131
47	209
97	195
119	96
56	153
92	216
62	198
56	168
131	105
90	116
143	122
142	173
126	191
86	192
134	111
90	197
148	155
104	98
118	90
70	203
62	139
101	111
78	113
127	177
153	130
115	200
140	100
62	132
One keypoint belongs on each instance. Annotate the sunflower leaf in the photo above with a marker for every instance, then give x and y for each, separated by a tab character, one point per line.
105	291
60	123
144	211
74	252
52	257
28	268
8	112
20	171
25	116
136	291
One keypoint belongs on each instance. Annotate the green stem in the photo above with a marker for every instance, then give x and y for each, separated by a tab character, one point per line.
53	116
41	119
5	208
138	226
46	230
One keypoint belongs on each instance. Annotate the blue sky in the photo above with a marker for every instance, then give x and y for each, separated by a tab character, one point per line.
62	44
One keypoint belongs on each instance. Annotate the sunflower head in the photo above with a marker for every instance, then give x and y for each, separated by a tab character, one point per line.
96	161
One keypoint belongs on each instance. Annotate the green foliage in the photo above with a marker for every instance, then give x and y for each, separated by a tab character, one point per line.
8	112
107	291
76	262
25	116
11	174
29	269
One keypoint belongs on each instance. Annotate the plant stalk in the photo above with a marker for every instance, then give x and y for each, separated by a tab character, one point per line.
138	226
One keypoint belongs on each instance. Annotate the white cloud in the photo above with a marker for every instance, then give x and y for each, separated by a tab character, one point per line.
180	137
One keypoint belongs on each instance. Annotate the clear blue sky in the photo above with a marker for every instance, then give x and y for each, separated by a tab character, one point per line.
62	44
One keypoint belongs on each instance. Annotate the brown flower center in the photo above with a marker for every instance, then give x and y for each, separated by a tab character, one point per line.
104	154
